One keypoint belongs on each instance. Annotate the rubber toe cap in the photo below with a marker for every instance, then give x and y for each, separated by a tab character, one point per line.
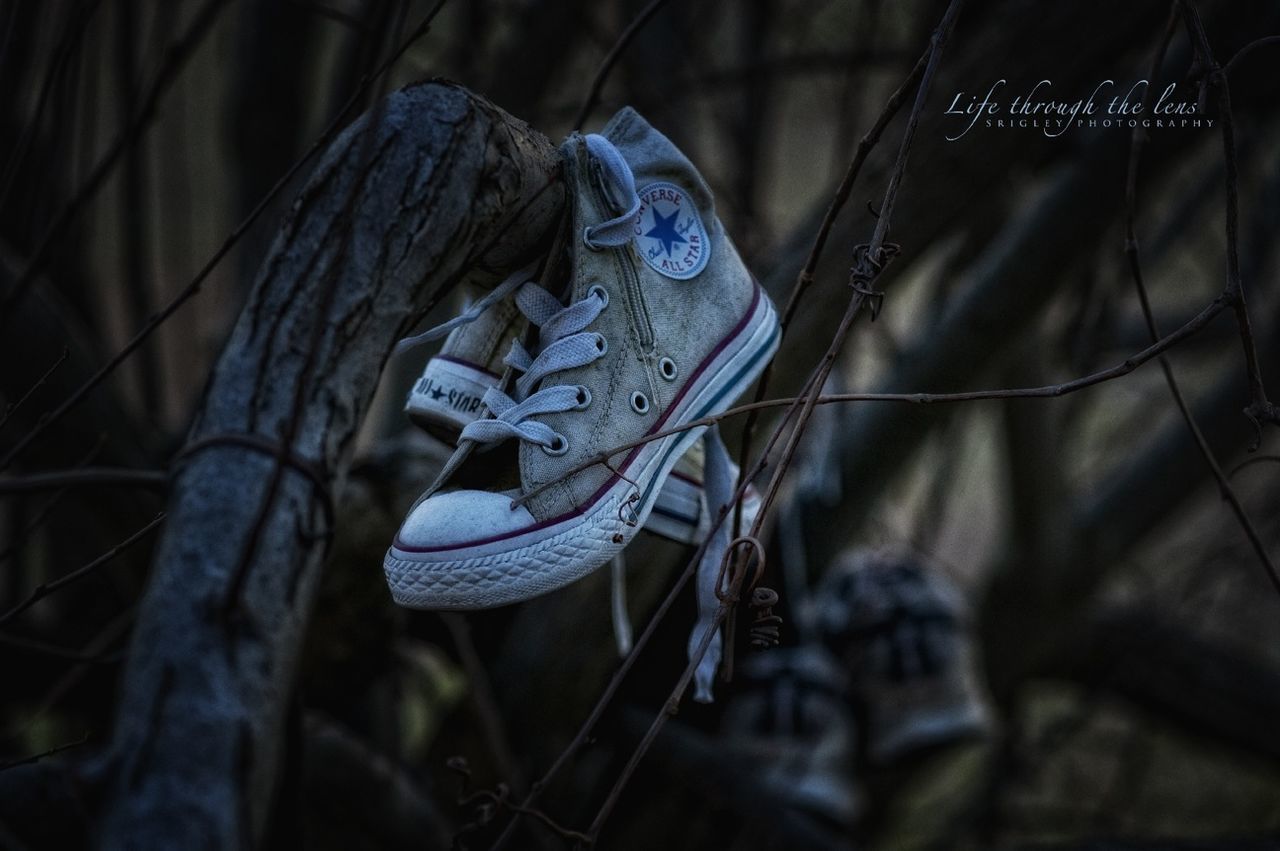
460	517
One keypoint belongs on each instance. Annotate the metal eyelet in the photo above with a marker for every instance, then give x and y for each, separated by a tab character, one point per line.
639	403
558	446
667	367
584	398
586	239
601	292
602	345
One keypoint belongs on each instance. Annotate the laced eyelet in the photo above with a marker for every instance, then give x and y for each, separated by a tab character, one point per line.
558	446
667	367
584	398
602	345
601	293
587	240
639	403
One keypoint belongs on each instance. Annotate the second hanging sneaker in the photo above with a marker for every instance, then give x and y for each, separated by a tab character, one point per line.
661	325
905	635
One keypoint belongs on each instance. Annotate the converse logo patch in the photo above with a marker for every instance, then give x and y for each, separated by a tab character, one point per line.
669	234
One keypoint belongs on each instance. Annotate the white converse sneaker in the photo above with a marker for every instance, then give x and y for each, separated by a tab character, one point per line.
663	325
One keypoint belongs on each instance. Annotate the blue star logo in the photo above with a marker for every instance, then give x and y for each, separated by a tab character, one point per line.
664	230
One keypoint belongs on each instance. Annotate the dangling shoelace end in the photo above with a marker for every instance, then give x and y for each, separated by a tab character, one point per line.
718	484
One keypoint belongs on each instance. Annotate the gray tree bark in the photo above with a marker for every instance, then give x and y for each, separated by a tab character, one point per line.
434	184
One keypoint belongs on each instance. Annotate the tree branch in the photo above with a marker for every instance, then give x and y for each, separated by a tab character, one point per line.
452	184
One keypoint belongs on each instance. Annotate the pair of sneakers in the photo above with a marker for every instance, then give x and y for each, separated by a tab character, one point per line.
890	671
656	323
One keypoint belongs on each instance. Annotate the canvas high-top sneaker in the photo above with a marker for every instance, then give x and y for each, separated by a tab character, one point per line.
661	325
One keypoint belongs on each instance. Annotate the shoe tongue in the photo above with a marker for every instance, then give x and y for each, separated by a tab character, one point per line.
654	159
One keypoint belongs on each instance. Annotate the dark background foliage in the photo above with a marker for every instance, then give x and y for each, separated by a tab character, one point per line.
1125	622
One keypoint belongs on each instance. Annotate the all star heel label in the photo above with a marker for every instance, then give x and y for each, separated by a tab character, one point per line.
451	389
669	234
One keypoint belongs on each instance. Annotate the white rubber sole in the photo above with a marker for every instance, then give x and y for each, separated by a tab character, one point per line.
553	555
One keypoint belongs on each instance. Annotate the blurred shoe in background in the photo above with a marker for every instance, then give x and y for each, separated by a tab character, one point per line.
790	718
902	633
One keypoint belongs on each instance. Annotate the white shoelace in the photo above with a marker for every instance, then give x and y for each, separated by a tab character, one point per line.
563	344
718	483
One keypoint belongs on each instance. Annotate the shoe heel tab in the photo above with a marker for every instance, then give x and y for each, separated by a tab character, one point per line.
618	124
573	151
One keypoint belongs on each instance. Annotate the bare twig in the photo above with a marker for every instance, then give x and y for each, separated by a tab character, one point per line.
865	145
138	299
501	799
805	277
44	648
1249	462
735	588
871	262
93	652
1260	410
175	57
615	682
20	536
330	132
815	63
324	11
86	477
482	697
45	589
70	42
593	93
10	409
604	700
1138	140
1265	41
1188	329
50	752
